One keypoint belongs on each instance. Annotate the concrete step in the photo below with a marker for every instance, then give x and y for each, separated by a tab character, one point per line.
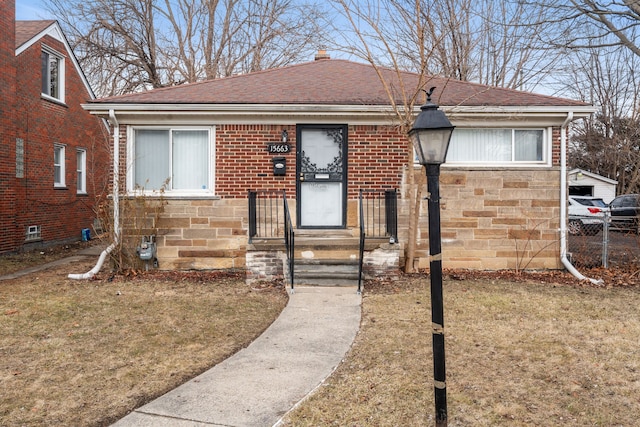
323	257
320	246
326	272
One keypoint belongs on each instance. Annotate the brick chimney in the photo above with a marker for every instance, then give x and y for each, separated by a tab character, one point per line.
322	55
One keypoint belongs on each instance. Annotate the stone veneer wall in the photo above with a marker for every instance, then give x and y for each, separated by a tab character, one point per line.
492	220
203	234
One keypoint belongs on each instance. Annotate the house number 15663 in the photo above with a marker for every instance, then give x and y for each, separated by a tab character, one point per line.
279	148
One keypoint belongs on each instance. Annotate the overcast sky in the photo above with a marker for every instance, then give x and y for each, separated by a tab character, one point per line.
31	9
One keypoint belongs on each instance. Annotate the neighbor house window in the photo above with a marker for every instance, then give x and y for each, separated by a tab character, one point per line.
33	233
81	171
499	146
176	160
52	66
58	165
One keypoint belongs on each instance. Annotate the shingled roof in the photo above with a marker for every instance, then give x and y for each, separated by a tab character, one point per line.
333	82
26	30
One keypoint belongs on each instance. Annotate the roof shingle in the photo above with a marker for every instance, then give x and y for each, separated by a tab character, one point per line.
25	30
333	82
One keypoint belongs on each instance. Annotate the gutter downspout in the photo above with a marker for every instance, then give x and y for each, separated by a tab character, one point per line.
563	204
116	202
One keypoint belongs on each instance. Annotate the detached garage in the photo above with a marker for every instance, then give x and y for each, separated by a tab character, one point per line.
583	183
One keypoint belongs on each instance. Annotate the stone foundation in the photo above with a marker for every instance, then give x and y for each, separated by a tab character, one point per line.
265	265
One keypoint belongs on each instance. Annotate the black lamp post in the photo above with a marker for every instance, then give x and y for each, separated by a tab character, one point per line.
431	134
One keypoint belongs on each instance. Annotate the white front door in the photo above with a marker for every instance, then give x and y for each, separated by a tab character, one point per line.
321	176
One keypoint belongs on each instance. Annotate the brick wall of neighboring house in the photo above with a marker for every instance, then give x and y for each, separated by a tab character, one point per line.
7	132
61	213
491	218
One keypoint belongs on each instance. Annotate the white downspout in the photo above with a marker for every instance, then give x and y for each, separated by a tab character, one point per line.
563	204
116	202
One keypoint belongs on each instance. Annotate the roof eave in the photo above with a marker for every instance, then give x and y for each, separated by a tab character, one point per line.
295	113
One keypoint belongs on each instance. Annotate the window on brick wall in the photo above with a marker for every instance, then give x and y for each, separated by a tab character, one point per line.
33	233
500	147
58	165
81	171
178	160
52	67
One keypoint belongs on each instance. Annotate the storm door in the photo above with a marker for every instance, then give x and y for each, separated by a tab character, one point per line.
321	176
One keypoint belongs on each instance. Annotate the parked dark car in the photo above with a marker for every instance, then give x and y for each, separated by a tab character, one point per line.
625	212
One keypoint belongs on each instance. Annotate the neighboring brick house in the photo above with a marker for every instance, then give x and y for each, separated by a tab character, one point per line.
54	157
501	185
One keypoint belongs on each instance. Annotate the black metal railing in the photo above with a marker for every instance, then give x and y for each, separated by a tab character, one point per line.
379	214
362	240
289	239
378	219
266	215
270	218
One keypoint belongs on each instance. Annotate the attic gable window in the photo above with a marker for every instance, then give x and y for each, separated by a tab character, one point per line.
52	68
500	147
174	160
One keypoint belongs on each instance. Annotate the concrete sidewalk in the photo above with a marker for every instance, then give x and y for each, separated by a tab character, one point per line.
86	253
261	383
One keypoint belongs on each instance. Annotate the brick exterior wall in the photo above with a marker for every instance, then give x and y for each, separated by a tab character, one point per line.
7	131
243	163
33	200
491	218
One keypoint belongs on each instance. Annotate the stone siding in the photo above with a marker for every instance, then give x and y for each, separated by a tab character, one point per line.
203	234
491	220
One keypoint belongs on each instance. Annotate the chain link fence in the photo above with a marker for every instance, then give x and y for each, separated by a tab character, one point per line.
605	241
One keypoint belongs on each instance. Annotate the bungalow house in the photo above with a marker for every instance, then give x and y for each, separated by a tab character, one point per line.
324	133
54	158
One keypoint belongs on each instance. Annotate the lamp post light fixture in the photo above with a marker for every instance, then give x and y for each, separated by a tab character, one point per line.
430	135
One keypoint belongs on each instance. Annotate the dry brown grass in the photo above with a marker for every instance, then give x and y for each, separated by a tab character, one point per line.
84	353
518	354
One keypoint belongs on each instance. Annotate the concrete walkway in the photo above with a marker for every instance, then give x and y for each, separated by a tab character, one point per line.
82	255
261	383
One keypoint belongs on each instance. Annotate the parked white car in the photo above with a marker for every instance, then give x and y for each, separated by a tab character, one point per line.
586	215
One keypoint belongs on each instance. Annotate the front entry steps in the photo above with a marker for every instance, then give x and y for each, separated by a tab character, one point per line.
327	257
326	272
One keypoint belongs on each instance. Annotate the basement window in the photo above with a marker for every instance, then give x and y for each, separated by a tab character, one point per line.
33	233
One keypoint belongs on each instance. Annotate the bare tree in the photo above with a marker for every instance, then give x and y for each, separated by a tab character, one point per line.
380	32
472	40
609	142
589	24
132	45
497	43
